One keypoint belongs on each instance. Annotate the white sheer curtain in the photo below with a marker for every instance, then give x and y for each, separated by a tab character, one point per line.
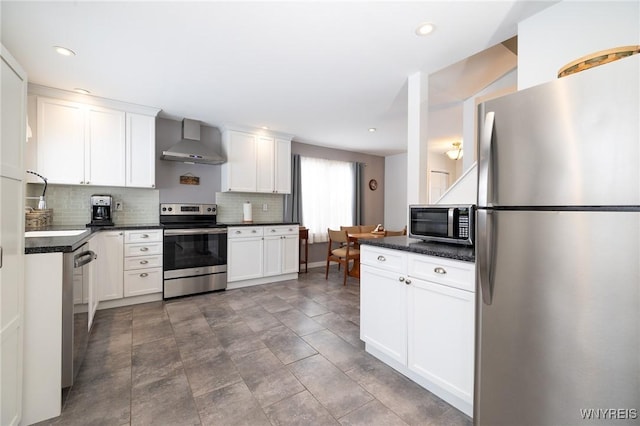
327	196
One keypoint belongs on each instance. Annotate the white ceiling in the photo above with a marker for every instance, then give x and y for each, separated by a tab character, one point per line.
322	71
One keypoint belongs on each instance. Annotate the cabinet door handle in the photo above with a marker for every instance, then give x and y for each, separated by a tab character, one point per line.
143	275
144	249
144	262
381	258
238	232
440	270
401	279
407	281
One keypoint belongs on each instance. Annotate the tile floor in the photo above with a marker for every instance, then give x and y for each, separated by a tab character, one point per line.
286	353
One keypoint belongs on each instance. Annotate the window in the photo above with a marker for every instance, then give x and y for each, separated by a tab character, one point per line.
327	188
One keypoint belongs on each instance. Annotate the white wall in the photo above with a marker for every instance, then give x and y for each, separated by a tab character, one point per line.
395	195
570	30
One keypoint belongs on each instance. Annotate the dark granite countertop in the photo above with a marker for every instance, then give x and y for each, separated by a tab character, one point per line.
258	223
450	251
70	243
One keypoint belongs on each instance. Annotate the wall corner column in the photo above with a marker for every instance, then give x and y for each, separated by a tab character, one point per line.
417	123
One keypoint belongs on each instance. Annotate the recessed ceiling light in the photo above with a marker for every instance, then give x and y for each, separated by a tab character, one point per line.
372	129
64	51
265	127
82	91
425	28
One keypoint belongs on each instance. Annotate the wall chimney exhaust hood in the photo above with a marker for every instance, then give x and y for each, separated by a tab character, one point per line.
190	149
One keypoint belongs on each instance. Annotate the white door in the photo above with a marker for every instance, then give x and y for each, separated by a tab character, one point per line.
106	147
383	312
244	258
110	265
141	151
241	162
272	255
291	254
438	184
282	166
13	130
441	336
60	138
264	164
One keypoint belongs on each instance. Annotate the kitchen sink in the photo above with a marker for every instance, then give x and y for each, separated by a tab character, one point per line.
58	233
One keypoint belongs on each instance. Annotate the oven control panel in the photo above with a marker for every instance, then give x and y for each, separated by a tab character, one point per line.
187	209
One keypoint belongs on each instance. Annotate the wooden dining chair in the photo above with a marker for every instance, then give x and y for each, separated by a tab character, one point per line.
367	228
395	233
342	254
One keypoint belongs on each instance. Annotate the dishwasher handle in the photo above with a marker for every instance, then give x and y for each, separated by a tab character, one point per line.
83	258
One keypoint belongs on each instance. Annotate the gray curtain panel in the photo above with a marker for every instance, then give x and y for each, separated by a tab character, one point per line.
358	175
293	201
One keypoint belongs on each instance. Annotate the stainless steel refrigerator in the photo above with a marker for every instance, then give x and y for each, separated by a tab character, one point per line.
558	252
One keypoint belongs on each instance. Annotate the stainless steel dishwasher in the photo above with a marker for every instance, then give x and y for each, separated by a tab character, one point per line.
75	322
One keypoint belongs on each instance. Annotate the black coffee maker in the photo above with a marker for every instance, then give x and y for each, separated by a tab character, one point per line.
101	210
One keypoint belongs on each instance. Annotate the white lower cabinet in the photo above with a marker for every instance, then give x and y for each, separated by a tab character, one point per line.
417	315
110	265
261	254
143	262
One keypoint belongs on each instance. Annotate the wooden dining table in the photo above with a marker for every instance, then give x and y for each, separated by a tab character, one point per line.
355	238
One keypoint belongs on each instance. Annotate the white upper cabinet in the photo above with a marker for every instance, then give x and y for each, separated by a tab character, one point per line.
61	144
91	141
257	161
140	158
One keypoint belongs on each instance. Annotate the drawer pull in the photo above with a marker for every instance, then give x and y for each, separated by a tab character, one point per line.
144	248
238	232
401	279
254	231
381	258
144	262
143	275
273	230
440	270
144	236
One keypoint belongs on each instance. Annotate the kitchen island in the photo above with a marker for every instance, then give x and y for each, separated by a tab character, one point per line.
417	313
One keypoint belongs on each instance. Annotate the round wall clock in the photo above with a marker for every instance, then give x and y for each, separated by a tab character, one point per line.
373	184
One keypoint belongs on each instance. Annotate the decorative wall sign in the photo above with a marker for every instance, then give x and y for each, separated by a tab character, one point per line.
189	179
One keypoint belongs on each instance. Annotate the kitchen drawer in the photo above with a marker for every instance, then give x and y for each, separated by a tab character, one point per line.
148	249
143	281
142	262
142	236
281	230
389	260
452	273
244	231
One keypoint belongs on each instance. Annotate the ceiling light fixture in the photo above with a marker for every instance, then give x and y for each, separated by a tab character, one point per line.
265	127
425	28
372	129
456	152
81	91
64	51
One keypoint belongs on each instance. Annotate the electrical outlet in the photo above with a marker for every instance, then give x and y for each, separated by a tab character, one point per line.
119	206
265	207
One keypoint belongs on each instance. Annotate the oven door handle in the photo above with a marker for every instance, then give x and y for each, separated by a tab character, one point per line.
171	232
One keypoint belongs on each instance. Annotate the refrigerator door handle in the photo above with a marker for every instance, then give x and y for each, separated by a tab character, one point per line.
484	166
485	255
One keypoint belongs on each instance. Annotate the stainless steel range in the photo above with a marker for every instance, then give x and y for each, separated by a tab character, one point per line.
195	249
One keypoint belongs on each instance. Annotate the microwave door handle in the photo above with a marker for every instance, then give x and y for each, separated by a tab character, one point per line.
485	177
450	218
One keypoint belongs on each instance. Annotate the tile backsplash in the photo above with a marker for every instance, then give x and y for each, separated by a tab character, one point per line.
70	203
230	206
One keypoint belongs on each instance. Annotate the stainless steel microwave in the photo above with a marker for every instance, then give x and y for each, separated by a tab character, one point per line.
442	223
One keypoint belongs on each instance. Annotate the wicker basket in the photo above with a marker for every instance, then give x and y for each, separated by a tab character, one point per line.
37	219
